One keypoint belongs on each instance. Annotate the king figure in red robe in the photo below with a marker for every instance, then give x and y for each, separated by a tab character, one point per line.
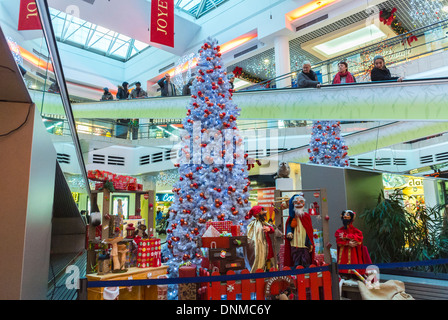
299	243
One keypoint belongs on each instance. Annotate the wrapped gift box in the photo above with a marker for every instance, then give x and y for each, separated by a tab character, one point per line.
235	230
132	186
221	226
187	291
215	242
120	185
99	175
149	253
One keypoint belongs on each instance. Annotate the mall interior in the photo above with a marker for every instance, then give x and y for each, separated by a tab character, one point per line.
66	131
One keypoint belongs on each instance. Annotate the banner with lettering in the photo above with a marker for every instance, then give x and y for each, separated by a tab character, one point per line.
28	16
162	22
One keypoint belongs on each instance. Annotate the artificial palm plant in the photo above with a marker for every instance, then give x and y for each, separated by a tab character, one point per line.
394	234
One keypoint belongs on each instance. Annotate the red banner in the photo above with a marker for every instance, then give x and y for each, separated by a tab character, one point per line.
28	16
162	22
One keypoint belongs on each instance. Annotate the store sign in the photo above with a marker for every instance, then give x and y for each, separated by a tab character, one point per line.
28	16
75	196
162	22
164	197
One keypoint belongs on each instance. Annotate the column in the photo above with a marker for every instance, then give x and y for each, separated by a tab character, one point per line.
282	60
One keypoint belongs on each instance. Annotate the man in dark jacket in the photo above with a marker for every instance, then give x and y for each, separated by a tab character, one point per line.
138	92
380	72
307	78
123	91
107	95
186	91
122	126
167	87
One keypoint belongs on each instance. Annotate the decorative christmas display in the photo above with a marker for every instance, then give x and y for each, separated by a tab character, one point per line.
183	70
112	181
389	18
148	253
213	179
260	66
350	245
299	243
426	12
240	73
283	170
222	246
327	146
260	243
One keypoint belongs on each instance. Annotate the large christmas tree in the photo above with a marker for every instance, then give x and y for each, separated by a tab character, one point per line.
327	145
213	183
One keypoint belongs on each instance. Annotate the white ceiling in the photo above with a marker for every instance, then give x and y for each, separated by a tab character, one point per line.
130	18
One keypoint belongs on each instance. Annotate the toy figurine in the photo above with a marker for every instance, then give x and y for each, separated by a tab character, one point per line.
350	245
299	243
118	255
260	246
141	231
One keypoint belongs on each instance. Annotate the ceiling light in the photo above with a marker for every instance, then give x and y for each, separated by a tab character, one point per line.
445	9
308	8
232	44
351	40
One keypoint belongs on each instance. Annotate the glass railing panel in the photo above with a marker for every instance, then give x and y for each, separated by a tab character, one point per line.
29	47
398	52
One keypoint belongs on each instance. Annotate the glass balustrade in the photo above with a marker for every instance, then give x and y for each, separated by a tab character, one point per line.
399	52
33	58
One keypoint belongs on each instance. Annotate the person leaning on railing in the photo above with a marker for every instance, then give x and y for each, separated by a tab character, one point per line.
307	78
122	126
167	88
343	76
107	95
380	72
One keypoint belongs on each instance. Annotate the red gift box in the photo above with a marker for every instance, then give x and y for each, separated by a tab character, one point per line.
215	242
119	185
235	230
221	226
149	253
187	271
132	186
98	175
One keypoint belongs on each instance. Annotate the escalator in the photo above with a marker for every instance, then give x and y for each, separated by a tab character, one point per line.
44	227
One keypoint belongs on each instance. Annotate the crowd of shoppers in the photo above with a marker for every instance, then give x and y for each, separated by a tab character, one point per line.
307	78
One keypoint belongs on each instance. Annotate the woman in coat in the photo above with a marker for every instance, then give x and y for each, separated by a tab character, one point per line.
343	76
380	72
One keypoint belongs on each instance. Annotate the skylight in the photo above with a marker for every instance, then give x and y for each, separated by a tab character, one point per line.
86	35
198	8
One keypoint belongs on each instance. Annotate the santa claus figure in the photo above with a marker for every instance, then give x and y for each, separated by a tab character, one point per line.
260	251
299	243
350	247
